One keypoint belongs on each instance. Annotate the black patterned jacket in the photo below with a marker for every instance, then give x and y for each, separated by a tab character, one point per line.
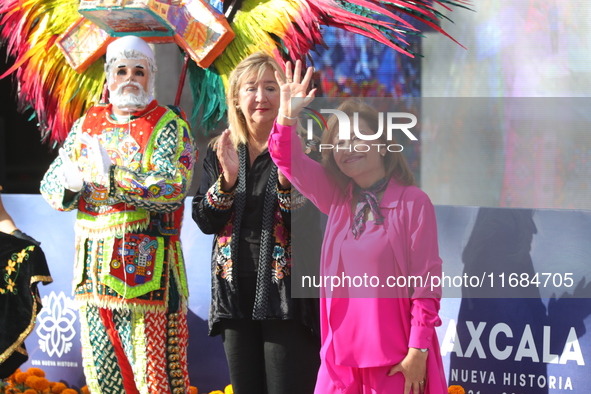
214	212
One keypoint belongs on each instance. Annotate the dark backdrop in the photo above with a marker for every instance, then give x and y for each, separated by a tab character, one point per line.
23	158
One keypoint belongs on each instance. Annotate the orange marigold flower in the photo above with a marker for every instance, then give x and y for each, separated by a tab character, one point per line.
193	390
36	372
456	389
31	381
229	389
84	390
69	391
37	383
58	387
21	377
30	391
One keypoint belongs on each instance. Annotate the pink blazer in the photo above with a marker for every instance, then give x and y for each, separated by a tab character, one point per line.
412	234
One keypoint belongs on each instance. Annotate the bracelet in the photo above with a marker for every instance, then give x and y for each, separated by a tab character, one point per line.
287	117
218	199
290	200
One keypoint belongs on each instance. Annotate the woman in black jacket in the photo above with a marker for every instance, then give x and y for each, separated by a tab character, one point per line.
271	339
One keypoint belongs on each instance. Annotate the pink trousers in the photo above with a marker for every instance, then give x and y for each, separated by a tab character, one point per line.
373	380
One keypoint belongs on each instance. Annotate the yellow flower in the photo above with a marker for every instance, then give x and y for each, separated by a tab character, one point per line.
455	389
10	268
216	392
229	389
21	255
10	285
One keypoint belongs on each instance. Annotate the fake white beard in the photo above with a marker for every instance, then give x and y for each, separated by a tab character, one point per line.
129	102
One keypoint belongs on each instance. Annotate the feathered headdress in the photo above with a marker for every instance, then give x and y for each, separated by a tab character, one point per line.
58	44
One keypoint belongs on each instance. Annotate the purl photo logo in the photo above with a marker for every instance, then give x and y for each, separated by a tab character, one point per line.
388	123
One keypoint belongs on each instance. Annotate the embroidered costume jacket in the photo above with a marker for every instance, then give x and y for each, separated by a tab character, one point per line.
128	249
215	212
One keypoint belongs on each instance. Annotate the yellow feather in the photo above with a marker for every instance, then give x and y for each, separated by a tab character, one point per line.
58	94
253	25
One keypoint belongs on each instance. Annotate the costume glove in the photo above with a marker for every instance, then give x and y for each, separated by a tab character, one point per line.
71	176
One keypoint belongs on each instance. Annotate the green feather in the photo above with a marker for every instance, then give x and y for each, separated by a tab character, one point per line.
209	100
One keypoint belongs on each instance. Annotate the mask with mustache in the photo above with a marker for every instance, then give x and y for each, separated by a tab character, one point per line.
129	101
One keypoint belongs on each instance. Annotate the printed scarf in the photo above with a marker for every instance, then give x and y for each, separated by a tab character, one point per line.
368	198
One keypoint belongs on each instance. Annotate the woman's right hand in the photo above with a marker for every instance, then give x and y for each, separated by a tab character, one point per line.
294	87
228	158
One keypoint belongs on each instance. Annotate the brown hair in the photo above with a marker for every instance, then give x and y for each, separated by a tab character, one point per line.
395	163
255	64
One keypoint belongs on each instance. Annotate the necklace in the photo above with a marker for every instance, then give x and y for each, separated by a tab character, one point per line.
255	149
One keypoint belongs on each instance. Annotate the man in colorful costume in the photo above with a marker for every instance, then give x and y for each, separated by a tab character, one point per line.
126	167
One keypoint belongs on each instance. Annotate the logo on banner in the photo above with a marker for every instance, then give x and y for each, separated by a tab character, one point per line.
387	123
55	324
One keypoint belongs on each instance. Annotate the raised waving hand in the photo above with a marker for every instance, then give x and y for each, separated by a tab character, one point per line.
294	92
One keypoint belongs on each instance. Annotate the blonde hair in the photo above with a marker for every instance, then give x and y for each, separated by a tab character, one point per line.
255	64
395	163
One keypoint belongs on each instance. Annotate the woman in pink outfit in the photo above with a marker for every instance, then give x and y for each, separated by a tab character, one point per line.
375	339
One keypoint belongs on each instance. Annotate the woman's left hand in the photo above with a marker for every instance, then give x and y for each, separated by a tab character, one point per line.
293	87
414	369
